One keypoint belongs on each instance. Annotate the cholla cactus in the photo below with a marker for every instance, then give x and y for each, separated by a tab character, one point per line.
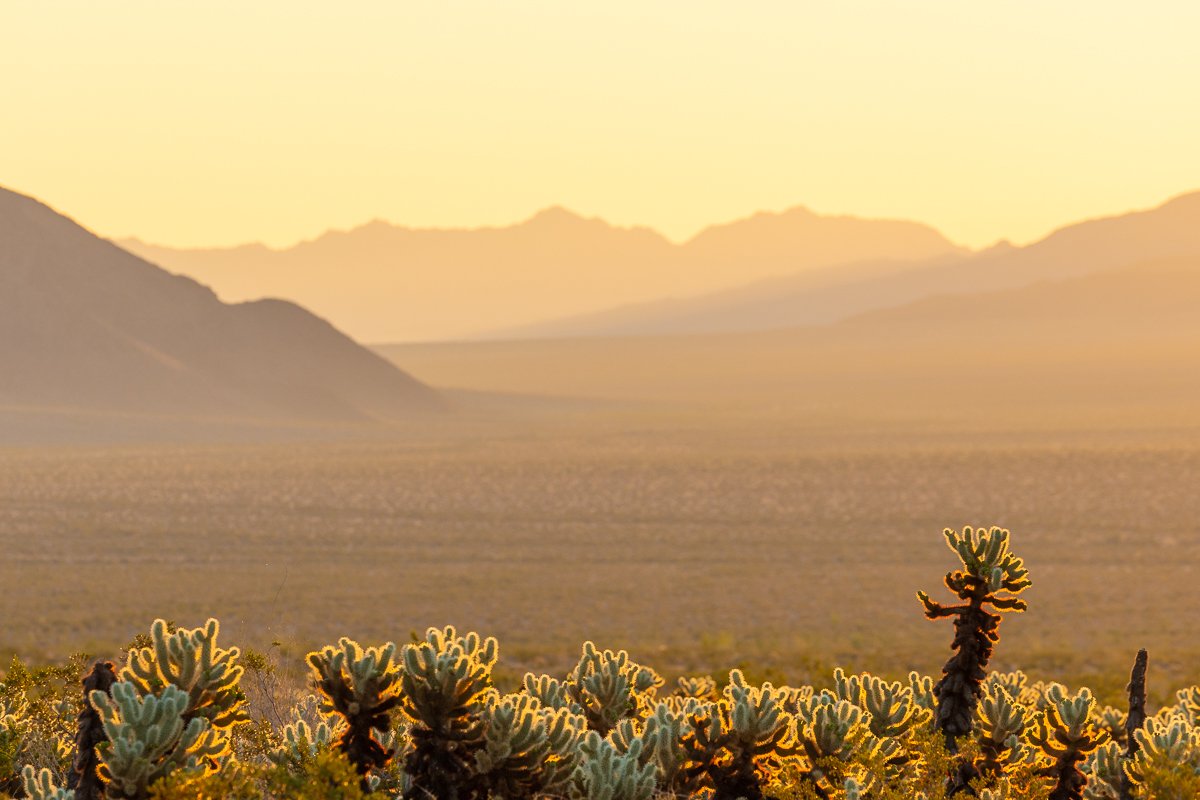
989	569
701	688
148	739
1000	722
191	661
609	687
362	686
527	750
1105	771
1188	704
13	729
922	689
89	732
892	709
1041	695
1169	743
40	786
445	687
662	740
738	746
833	733
1067	735
1013	683
1112	720
301	742
608	774
550	692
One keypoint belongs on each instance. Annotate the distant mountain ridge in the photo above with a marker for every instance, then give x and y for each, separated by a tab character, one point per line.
385	283
1172	230
87	326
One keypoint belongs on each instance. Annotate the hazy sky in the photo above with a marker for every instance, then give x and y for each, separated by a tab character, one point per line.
223	121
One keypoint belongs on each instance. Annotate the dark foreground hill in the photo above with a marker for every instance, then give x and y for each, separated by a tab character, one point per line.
87	327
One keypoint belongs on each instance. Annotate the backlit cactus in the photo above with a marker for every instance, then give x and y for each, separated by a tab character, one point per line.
605	773
361	686
601	732
701	688
148	738
1164	744
191	661
1067	734
991	576
39	785
445	685
609	687
527	750
738	745
1000	722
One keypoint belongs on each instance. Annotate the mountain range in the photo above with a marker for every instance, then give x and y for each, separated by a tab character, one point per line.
879	315
88	327
383	282
821	296
559	275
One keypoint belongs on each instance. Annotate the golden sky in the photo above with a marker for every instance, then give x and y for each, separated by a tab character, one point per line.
217	122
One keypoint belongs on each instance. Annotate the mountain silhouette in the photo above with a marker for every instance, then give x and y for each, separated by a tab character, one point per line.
821	296
88	327
388	283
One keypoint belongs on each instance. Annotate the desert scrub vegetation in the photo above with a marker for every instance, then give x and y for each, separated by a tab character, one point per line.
426	721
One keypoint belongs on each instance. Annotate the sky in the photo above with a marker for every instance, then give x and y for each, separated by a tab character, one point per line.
215	123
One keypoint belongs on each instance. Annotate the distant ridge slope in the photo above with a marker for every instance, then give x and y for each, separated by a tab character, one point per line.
1171	230
1124	341
387	283
87	326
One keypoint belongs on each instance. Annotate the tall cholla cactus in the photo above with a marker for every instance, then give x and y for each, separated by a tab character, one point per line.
1067	735
739	745
148	739
191	661
989	569
362	686
445	686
